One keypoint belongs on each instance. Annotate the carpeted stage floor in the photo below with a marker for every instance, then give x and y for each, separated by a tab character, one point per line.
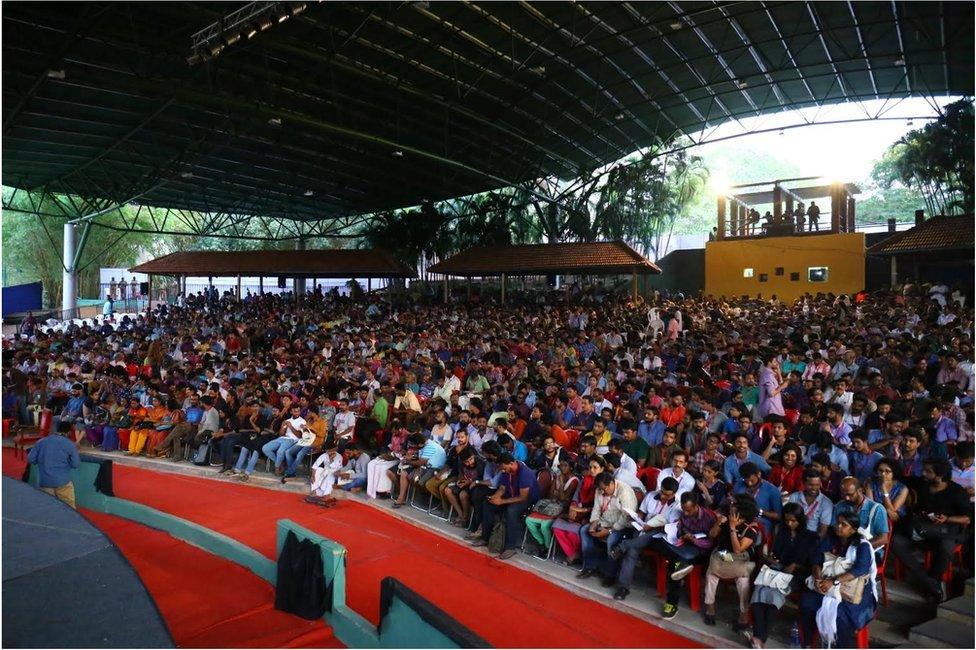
507	606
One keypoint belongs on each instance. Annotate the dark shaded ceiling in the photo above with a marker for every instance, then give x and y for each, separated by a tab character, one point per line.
387	104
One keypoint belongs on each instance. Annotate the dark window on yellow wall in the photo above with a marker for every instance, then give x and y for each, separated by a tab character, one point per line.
763	277
794	277
779	270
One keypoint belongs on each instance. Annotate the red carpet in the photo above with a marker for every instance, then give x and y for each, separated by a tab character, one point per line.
207	601
470	586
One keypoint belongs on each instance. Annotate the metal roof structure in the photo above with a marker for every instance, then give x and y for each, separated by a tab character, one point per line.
578	258
349	108
330	263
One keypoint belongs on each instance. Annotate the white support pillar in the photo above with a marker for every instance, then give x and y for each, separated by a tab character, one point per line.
894	271
69	286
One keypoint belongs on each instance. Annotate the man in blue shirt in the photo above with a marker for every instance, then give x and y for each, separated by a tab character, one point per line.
740	456
430	456
517	491
55	457
861	460
871	515
651	429
767	496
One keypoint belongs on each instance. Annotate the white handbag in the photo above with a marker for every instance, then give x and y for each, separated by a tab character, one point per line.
774	579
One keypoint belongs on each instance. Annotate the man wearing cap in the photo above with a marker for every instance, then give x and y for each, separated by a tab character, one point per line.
55	457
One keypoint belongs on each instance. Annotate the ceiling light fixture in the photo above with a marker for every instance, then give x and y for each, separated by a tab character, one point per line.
740	84
309	192
397	154
539	69
900	61
252	30
677	26
186	174
55	74
275	121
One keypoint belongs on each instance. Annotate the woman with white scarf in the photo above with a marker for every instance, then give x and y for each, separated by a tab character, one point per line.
844	557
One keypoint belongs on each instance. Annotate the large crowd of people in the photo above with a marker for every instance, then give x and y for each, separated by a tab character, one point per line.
791	449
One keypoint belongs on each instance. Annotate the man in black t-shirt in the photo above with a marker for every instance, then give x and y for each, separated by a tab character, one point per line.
936	523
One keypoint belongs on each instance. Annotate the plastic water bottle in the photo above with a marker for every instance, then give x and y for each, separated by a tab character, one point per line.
795	636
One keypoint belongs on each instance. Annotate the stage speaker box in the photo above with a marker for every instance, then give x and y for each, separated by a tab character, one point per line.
144	288
281	282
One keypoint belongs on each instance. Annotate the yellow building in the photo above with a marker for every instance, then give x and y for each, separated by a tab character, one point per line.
786	267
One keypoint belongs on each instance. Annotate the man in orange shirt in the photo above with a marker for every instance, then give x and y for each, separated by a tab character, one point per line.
674	413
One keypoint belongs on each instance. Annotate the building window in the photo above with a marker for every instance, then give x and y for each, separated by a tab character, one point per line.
747	273
779	270
818	273
763	277
795	277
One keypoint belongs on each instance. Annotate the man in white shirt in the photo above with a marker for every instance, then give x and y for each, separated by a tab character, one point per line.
679	472
290	433
344	424
658	508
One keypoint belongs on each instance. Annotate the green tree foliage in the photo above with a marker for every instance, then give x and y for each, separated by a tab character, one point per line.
33	245
637	200
936	161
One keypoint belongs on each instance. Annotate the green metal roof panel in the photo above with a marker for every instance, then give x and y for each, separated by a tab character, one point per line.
474	95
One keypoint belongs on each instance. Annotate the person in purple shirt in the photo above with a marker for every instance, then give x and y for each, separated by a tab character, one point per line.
517	491
771	384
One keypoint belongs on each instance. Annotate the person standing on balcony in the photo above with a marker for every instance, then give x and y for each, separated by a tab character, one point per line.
813	216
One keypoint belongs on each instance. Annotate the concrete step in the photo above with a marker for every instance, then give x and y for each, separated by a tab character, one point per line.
939	633
957	610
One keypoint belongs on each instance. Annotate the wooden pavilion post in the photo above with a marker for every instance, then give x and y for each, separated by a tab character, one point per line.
633	279
722	201
239	296
149	293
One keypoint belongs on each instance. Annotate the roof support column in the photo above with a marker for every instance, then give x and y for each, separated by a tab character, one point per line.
633	282
894	271
239	287
469	288
504	282
834	208
261	285
149	294
69	279
447	291
299	282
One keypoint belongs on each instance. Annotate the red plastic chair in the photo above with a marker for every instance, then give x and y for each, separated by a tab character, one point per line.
648	476
882	578
24	441
792	416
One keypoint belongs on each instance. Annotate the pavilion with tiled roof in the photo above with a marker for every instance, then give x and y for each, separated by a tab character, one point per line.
932	248
298	264
582	258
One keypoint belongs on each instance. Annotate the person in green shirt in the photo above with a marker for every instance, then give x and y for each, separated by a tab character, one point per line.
477	383
633	445
381	410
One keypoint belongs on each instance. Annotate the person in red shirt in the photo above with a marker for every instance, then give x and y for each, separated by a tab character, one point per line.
674	413
787	475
